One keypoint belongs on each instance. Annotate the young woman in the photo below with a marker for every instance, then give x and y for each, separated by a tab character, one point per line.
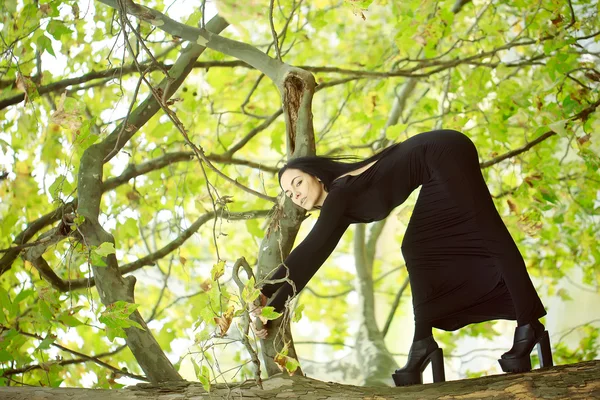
463	265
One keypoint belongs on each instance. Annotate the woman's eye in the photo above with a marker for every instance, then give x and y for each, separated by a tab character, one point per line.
298	184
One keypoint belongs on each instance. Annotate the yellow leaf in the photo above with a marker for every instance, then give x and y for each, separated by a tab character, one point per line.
218	270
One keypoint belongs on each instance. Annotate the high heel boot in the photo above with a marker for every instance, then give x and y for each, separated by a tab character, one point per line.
421	353
526	337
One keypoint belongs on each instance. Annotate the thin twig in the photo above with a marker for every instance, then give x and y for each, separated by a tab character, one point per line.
273	32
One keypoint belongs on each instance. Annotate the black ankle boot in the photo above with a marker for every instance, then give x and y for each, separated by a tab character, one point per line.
526	337
421	353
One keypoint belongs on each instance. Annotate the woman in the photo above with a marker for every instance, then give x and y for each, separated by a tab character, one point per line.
463	265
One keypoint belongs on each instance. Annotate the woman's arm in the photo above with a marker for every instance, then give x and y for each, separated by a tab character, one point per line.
306	259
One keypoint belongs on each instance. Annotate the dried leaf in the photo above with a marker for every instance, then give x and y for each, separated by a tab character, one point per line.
535	177
224	321
25	84
557	20
583	139
67	119
286	363
75	9
45	9
512	206
206	285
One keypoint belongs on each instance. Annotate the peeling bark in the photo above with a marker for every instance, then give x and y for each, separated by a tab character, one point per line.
574	382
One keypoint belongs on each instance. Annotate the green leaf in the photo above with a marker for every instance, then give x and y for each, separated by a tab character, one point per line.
277	141
298	313
194	19
196	367
559	127
291	364
112	333
202	336
45	344
98	254
46	311
5	356
204	378
45	44
393	132
60	185
254	228
57	29
116	316
97	260
23	295
5	300
69	320
217	270
250	293
269	313
105	249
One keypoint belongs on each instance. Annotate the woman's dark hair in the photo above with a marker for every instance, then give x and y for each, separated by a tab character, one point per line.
326	169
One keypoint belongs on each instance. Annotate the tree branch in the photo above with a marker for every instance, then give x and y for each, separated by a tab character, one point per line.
203	37
252	133
33	228
394	307
94	358
273	32
69	285
84	357
582	115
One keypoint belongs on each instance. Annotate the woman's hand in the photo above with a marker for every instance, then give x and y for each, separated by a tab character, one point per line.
260	328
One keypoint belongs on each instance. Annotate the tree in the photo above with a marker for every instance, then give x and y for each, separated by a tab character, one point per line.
104	189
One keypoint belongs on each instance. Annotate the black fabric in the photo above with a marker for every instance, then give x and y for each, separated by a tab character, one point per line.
463	265
422	330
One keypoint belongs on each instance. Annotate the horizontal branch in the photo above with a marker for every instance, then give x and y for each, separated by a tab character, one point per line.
130	172
134	170
572	381
186	234
410	72
33	228
243	51
64	286
23	370
84	356
582	115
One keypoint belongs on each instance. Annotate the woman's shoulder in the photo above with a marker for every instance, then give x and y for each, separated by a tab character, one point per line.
337	200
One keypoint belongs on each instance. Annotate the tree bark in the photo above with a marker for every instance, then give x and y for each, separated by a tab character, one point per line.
370	350
574	381
110	283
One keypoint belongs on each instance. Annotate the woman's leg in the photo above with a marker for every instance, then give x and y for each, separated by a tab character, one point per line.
465	184
422	330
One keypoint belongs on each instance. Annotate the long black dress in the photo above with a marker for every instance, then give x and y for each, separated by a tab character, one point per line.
463	265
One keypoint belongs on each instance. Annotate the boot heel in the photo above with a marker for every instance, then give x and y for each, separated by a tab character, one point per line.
544	351
437	366
415	377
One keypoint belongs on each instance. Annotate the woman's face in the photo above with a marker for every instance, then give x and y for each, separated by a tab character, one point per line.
304	189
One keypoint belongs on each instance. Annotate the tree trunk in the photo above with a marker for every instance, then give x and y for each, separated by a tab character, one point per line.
574	381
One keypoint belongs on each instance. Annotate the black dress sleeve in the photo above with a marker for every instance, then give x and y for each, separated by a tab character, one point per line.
306	259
